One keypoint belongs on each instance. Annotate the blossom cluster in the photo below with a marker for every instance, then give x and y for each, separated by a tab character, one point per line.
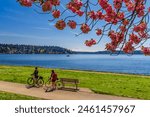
26	3
90	42
111	15
136	37
116	39
46	5
75	7
135	5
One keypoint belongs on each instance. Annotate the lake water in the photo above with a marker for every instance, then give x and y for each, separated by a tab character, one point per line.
135	64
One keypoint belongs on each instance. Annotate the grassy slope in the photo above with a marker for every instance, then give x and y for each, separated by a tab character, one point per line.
12	96
108	83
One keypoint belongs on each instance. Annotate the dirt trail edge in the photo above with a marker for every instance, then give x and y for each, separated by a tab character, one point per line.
83	94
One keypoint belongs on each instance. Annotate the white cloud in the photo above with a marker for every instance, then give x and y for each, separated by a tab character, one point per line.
87	49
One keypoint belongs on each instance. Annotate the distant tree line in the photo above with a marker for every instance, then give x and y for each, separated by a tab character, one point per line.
32	49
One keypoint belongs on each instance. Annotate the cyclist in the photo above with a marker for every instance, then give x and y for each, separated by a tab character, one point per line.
35	75
53	78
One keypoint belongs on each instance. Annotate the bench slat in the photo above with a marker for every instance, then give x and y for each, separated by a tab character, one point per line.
70	81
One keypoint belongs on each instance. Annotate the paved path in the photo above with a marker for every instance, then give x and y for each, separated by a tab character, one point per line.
83	94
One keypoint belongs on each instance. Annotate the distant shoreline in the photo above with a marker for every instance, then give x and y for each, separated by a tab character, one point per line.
34	49
79	53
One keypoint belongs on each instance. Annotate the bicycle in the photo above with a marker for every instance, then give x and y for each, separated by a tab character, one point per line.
49	82
39	81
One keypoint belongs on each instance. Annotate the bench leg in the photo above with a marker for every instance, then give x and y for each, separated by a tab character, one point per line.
63	85
76	86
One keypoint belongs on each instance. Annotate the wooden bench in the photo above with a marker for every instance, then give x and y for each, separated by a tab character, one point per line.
75	82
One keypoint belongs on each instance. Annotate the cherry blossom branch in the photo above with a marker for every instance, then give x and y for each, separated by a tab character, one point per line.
124	22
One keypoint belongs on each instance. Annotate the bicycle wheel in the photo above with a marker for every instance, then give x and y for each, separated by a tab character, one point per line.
58	84
40	82
30	81
48	83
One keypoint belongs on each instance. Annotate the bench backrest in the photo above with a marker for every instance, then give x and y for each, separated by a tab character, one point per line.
69	80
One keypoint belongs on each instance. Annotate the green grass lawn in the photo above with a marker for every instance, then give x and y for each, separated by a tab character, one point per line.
12	96
135	86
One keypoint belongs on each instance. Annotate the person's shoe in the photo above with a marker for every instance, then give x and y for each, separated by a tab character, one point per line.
37	86
46	91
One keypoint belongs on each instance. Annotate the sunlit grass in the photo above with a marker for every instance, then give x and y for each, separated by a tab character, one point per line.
12	96
136	86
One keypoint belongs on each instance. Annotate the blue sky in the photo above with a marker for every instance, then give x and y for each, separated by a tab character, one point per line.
21	25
